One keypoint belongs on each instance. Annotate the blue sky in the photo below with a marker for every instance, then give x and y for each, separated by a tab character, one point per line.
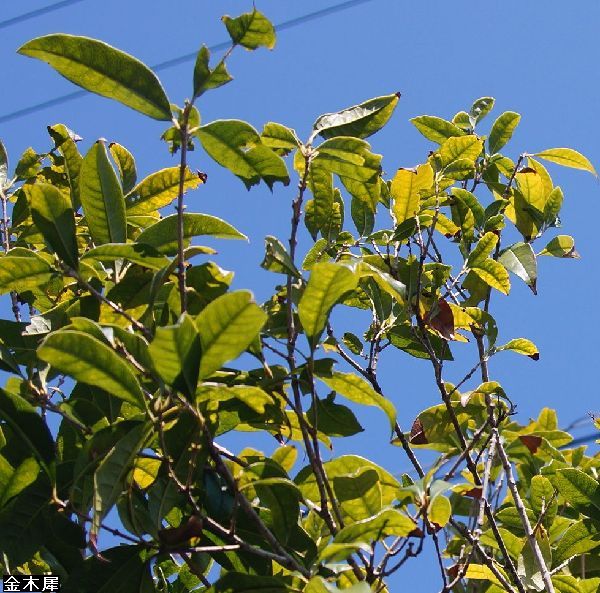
536	59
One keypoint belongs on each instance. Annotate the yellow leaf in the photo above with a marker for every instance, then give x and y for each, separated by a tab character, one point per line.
494	274
145	472
405	189
567	157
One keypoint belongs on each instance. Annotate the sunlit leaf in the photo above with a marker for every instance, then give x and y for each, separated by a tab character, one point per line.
251	30
102	69
102	197
227	326
328	283
567	157
502	130
521	346
237	146
387	522
158	190
206	78
436	129
360	120
405	189
359	391
561	246
163	234
520	260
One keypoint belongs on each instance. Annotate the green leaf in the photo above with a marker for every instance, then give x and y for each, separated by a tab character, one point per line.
125	165
112	471
359	391
436	129
251	30
205	78
567	157
279	138
347	465
158	190
254	397
502	130
362	216
333	419
237	146
328	283
349	158
15	480
23	273
481	107
227	326
388	522
175	352
163	235
3	165
483	249
91	361
521	346
122	569
520	260
405	191
139	253
579	538
561	246
102	197
285	456
29	428
241	582
456	150
543	500
277	258
359	494
579	489
53	215
359	121
102	69
528	567
66	145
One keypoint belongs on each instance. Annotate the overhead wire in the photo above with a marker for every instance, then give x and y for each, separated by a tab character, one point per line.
37	12
289	24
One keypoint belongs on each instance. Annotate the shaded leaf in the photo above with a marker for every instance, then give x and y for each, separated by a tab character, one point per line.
14	480
561	246
125	165
139	253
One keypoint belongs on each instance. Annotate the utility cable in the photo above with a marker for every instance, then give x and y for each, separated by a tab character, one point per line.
37	12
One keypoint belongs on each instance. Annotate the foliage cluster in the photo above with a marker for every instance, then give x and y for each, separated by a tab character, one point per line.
121	356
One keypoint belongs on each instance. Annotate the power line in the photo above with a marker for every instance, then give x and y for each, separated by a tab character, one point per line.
289	24
38	12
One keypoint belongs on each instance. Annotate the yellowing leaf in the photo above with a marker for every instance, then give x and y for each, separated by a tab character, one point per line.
483	249
481	572
145	471
439	511
405	189
567	157
493	274
521	346
436	129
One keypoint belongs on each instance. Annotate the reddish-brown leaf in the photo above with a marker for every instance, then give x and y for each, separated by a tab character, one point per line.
417	434
531	441
441	318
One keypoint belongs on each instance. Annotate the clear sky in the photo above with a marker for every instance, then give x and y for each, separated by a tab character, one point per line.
539	59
